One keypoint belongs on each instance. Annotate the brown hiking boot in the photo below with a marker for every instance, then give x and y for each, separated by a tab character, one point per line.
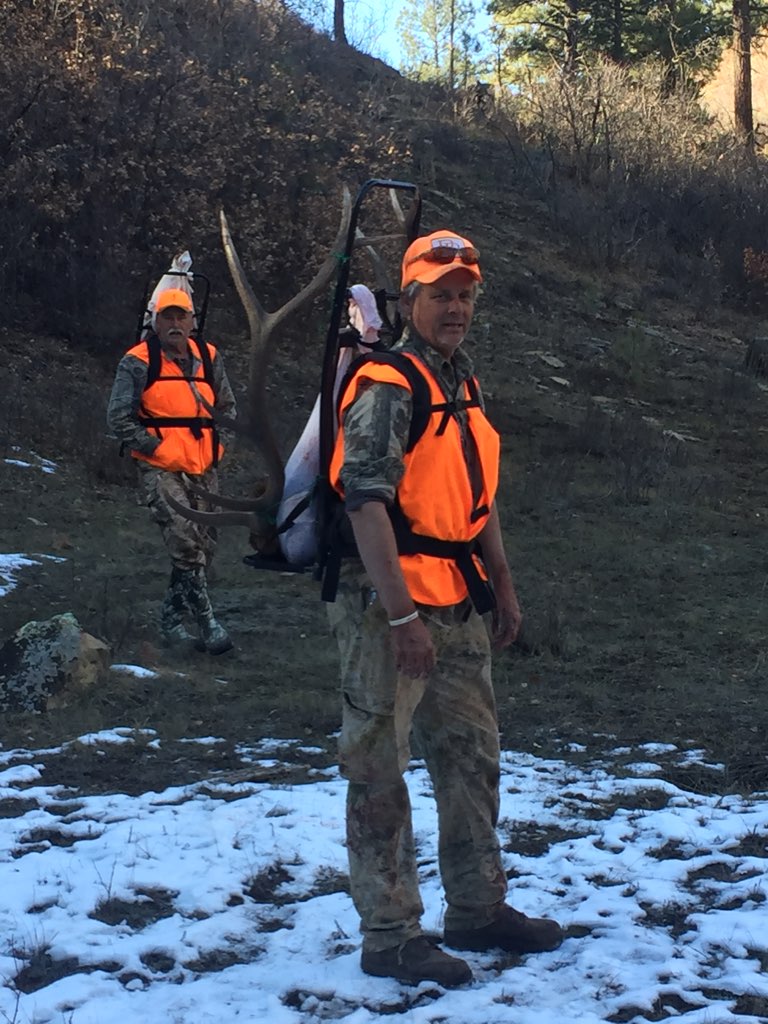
418	959
511	931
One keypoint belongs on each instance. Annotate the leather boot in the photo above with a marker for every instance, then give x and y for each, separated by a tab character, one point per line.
511	931
172	629
213	637
419	959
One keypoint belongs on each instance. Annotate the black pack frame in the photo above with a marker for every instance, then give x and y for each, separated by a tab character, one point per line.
197	331
325	500
330	358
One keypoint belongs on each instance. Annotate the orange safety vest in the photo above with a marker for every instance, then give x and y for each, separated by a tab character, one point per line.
434	496
171	410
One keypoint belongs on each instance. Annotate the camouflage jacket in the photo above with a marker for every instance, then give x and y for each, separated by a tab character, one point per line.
376	426
128	387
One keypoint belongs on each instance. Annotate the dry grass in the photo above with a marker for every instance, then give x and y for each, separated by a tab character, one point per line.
632	498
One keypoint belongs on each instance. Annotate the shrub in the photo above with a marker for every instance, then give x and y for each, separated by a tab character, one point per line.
634	174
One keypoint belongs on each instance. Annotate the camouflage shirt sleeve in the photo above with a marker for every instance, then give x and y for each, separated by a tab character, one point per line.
123	408
376	428
225	399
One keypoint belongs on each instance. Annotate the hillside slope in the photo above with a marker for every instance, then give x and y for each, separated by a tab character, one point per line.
633	502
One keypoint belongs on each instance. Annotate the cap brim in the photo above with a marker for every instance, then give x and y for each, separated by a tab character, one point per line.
434	271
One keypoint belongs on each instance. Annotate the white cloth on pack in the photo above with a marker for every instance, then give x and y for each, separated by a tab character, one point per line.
299	542
363	314
179	275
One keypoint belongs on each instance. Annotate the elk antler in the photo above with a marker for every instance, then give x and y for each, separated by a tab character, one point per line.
257	512
262	328
405	224
405	221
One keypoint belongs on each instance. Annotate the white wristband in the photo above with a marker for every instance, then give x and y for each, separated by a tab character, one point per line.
405	619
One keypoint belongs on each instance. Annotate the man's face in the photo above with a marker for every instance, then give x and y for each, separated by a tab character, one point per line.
442	312
172	327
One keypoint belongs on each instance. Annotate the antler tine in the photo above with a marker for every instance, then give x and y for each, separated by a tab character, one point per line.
379	267
213	518
407	219
398	210
257	428
253	308
260	533
236	427
383	278
261	352
224	421
233	504
326	271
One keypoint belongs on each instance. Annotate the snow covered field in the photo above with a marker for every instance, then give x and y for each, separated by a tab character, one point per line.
224	902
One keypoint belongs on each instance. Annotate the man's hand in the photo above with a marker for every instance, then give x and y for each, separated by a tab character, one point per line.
507	615
414	651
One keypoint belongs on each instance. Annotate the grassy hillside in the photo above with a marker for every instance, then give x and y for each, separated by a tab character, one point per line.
634	496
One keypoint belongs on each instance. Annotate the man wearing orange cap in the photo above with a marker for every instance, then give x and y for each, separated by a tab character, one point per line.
159	410
415	651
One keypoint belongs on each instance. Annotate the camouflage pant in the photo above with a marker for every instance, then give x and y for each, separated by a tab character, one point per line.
452	719
189	544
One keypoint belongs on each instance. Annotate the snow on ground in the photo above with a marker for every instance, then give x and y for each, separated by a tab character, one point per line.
37	461
12	564
223	902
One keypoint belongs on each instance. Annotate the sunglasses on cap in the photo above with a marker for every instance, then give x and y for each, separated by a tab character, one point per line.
446	254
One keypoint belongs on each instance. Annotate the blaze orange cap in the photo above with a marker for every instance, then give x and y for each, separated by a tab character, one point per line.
174	297
429	258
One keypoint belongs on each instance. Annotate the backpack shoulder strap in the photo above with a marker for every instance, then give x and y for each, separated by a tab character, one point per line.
422	398
153	362
474	393
205	359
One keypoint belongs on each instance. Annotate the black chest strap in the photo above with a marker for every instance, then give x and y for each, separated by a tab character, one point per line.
460	552
457	405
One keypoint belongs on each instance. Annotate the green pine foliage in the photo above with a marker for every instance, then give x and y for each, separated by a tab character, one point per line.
440	42
686	35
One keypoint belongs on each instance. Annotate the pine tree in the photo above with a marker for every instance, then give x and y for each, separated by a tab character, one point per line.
742	88
684	34
439	41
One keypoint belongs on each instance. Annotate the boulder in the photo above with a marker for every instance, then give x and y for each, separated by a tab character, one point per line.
45	664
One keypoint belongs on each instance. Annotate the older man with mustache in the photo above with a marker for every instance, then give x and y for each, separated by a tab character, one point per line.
415	649
159	409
